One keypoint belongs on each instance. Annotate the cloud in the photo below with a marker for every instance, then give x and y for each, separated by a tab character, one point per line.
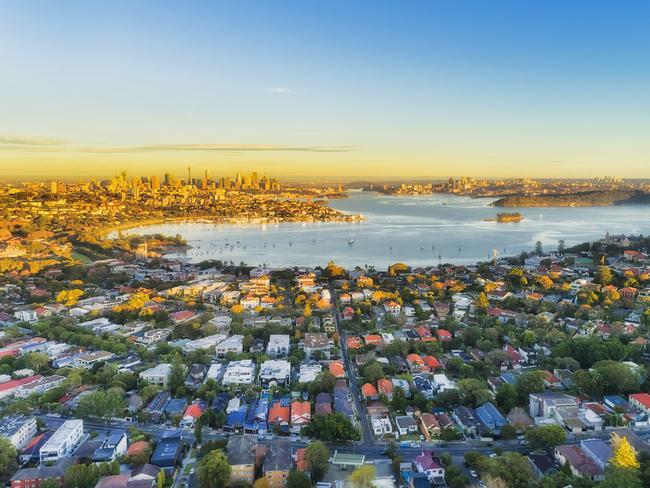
30	141
277	89
218	148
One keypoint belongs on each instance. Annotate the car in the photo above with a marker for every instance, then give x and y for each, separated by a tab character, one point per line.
473	473
493	455
192	471
523	442
414	445
481	484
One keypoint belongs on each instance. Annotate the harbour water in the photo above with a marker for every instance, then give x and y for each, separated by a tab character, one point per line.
418	230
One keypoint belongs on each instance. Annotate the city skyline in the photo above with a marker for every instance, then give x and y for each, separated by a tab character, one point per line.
325	93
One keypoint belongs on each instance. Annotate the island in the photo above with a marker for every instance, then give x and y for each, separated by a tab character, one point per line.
580	199
505	217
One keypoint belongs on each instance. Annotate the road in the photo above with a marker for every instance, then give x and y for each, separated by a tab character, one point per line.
367	436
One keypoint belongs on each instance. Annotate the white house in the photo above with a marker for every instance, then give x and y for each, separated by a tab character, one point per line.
64	442
234	344
18	429
158	375
278	346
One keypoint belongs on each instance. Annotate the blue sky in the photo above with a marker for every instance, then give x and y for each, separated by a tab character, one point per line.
335	90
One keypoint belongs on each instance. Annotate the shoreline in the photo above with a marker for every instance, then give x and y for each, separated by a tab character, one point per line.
104	231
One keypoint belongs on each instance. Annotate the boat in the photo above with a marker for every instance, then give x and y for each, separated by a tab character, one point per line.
350	242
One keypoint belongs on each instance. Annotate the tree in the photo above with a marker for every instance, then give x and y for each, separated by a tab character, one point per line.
482	302
214	470
7	456
508	432
332	428
373	372
513	468
538	248
261	483
507	397
545	436
160	479
604	275
102	404
177	374
527	383
624	455
298	479
363	476
318	456
50	483
616	477
198	431
561	246
36	360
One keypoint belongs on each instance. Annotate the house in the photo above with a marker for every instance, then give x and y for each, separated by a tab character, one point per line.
640	401
233	344
277	464
64	442
300	415
18	429
385	387
242	459
274	372
465	419
337	369
316	342
543	464
158	375
323	404
392	307
406	425
369	392
192	412
239	373
444	335
374	340
278	346
490	418
430	465
415	362
280	413
33	477
168	452
546	405
309	372
114	446
203	343
580	464
429	424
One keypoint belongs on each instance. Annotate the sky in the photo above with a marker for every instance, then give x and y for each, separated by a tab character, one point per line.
330	90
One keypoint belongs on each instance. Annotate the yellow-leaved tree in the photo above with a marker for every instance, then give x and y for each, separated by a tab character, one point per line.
624	455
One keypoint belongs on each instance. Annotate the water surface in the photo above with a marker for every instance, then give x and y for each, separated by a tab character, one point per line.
420	230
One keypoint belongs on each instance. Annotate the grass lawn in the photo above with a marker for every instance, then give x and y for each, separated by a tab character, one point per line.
81	257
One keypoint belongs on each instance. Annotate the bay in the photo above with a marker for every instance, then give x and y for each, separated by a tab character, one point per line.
417	230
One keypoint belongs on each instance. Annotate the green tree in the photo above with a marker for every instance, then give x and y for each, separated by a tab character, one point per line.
298	479
373	372
527	383
513	468
102	404
507	397
318	456
37	360
177	374
621	478
198	431
214	470
7	456
332	428
545	436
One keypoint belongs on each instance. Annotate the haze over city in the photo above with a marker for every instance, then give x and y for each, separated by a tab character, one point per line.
335	91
